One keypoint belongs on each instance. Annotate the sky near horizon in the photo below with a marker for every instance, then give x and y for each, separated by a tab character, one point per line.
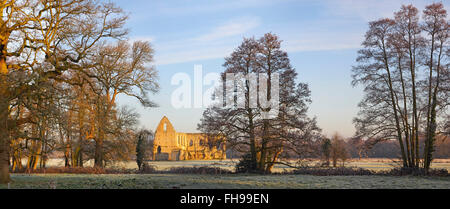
321	38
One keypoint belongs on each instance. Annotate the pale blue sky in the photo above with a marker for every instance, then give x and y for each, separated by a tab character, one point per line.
321	38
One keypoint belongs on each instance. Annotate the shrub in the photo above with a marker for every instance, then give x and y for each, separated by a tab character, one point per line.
338	150
351	171
146	169
326	151
245	165
198	170
339	171
76	170
415	172
141	147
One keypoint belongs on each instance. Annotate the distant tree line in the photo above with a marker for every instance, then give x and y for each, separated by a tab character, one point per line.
337	149
391	149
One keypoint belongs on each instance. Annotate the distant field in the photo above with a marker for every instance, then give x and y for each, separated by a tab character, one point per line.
231	181
367	163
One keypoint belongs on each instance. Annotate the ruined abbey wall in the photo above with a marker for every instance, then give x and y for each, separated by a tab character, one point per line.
171	145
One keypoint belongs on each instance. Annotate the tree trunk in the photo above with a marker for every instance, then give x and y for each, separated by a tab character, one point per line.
274	159
266	132
252	141
4	145
4	159
431	129
394	107
428	128
98	160
67	156
408	141
37	156
416	117
4	149
4	113
80	157
262	157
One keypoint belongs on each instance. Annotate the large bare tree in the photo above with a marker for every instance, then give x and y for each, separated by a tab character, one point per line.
118	69
262	140
403	67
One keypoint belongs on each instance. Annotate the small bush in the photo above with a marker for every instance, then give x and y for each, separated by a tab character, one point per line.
147	169
316	171
245	165
198	170
351	171
415	172
339	171
75	170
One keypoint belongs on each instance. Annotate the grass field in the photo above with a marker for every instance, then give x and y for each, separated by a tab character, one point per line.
229	181
367	163
232	181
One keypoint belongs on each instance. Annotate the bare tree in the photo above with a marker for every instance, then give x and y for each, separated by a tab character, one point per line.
117	70
437	28
265	141
401	101
375	73
338	150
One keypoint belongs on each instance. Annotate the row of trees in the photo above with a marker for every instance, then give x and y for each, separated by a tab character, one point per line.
404	68
263	140
359	148
391	149
63	64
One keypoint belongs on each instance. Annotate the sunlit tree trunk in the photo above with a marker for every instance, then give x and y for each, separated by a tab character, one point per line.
266	132
274	159
4	113
37	155
4	104
16	155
